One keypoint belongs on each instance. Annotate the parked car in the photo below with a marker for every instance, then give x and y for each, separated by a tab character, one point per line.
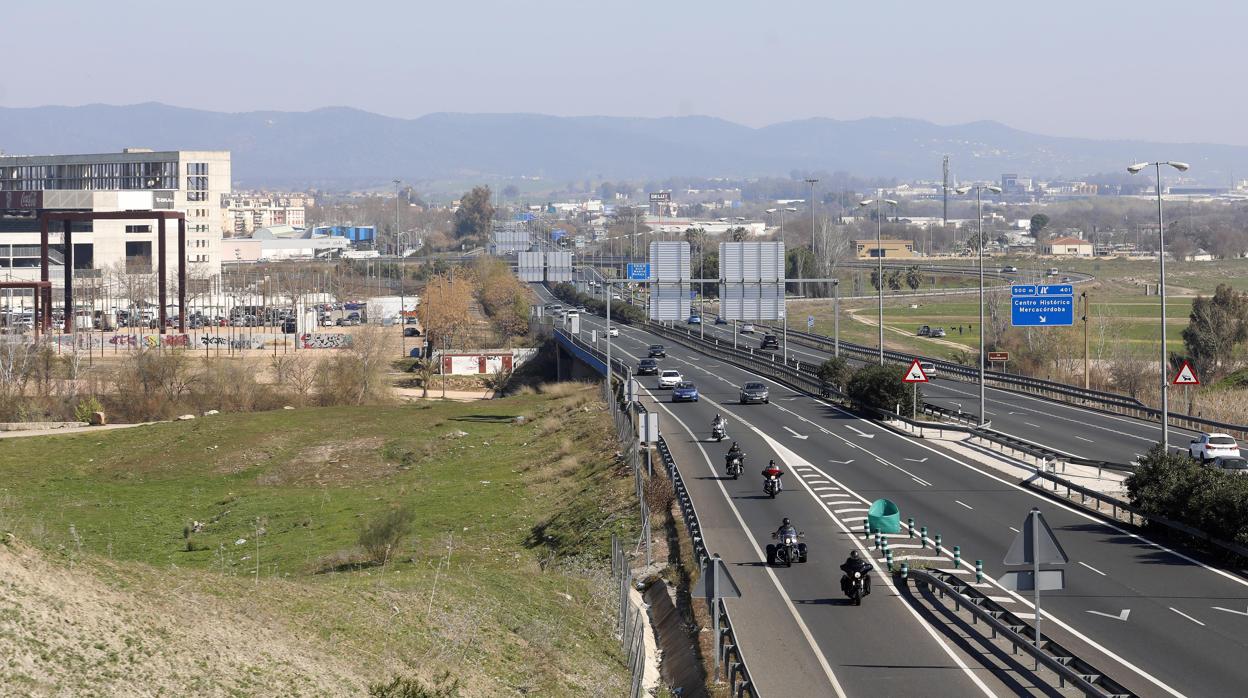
770	341
670	378
937	332
1065	279
647	367
747	328
613	332
289	326
657	351
1011	269
1233	466
411	332
1210	446
685	392
695	319
1052	271
754	392
925	331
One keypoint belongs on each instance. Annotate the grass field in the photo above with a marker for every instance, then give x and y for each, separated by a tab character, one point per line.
502	581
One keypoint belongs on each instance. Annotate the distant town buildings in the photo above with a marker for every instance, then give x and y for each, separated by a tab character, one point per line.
243	212
888	249
1068	247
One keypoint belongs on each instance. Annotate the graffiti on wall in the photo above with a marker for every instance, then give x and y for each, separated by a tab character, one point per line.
325	340
232	342
148	341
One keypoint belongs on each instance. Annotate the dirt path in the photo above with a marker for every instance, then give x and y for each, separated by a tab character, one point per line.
903	333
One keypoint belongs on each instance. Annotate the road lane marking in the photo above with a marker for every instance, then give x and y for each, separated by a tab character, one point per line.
850	511
1172	608
1091	568
1083	439
860	433
968	506
1122	615
797	435
1231	610
1014	529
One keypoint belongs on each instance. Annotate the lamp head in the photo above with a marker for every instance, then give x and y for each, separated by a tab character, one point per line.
1180	166
866	202
993	189
961	190
890	201
1134	169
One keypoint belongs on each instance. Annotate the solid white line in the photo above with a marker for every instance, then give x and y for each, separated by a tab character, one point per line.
1091	568
1015	530
1083	439
827	489
968	506
1172	608
788	601
1033	425
848	511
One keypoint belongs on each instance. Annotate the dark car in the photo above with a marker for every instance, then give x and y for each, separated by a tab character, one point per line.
685	391
289	326
770	341
647	367
657	351
754	392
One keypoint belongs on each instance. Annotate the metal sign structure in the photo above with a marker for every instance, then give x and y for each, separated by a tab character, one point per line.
717	584
1186	375
530	266
660	196
1042	305
648	428
1036	545
810	322
1025	580
638	271
632	390
669	280
558	266
915	374
752	280
999	356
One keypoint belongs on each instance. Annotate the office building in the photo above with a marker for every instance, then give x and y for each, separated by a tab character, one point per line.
886	248
244	212
193	182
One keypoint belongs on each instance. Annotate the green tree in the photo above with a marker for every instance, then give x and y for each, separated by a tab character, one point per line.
875	279
894	279
834	371
738	234
472	219
1215	326
881	387
1038	222
914	278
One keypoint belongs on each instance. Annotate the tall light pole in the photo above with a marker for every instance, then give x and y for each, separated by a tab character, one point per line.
396	216
879	202
1161	288
979	211
812	182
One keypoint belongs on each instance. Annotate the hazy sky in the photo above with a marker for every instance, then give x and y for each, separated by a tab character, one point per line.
1170	71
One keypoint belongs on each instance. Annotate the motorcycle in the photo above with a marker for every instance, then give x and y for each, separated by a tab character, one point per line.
857	585
771	485
718	432
735	466
787	551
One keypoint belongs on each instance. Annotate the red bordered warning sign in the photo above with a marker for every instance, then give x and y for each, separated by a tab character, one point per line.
915	374
1186	376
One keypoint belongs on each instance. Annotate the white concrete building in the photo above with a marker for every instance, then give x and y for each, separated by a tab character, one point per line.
193	182
245	211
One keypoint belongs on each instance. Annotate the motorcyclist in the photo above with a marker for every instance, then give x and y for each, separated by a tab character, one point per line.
734	451
772	470
786	528
717	423
855	563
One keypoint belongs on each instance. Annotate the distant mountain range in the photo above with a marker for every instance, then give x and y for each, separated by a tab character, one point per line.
347	148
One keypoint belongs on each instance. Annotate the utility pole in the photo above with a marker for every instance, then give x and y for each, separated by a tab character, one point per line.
1087	375
813	248
945	196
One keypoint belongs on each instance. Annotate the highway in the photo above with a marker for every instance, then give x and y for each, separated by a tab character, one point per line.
1157	621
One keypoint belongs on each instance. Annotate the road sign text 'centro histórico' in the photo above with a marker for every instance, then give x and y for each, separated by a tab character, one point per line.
1039	305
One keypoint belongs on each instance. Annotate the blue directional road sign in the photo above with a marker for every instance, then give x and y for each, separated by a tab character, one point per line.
638	271
1040	305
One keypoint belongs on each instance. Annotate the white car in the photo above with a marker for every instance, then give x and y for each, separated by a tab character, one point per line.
747	328
929	369
1210	446
669	378
613	332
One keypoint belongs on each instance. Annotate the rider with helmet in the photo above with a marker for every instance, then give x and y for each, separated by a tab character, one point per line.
772	470
855	563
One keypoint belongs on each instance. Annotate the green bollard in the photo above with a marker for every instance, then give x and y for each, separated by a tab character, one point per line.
877	540
923	537
910	526
957	556
937	543
866	529
979	571
905	570
888	557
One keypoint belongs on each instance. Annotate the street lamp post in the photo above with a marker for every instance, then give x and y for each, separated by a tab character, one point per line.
836	317
1161	289
879	201
812	182
979	212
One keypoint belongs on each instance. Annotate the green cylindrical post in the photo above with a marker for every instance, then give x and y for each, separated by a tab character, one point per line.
910	526
979	571
888	557
866	529
877	540
957	556
923	537
937	543
905	570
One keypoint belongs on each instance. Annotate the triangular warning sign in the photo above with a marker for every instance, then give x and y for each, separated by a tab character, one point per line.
1031	544
1186	375
915	374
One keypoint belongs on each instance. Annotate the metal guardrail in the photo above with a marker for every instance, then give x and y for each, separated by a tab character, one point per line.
1069	667
738	673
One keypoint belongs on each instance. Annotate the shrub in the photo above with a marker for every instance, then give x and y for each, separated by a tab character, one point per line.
409	687
382	534
86	407
835	370
881	387
1175	487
